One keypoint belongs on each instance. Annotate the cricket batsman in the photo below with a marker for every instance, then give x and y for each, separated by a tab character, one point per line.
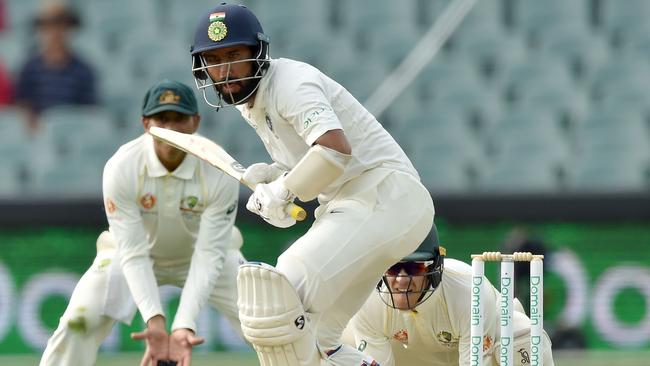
325	145
418	316
171	221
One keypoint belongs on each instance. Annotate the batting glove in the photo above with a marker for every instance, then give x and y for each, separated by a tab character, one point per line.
262	173
270	201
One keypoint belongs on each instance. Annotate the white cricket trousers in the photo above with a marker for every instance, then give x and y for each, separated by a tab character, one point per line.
83	326
371	223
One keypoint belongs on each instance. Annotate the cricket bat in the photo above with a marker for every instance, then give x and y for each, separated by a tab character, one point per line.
207	150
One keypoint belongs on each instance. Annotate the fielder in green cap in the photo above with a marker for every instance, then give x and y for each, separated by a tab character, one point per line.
170	104
171	222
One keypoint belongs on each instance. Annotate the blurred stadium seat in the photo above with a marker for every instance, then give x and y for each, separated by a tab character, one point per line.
14	51
536	69
486	14
360	82
520	128
10	182
66	127
567	103
444	72
619	18
493	51
114	25
608	174
519	81
20	15
615	131
533	16
74	178
619	72
579	47
520	175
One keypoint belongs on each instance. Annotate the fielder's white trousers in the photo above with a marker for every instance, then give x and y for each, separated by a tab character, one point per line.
83	326
372	222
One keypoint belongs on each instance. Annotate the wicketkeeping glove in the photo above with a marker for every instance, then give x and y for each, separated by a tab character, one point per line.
270	202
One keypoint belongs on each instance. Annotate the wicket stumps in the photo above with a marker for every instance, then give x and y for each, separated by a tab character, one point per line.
506	306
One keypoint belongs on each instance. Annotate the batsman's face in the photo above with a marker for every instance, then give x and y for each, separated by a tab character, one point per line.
406	286
228	67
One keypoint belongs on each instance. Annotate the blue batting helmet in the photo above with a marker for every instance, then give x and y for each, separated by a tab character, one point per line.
228	25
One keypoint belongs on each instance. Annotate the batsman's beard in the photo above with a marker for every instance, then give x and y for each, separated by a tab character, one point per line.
246	90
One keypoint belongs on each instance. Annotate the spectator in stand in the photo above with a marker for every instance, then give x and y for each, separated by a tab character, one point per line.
54	75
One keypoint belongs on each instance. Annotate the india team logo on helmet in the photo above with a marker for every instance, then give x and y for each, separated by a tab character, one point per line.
217	29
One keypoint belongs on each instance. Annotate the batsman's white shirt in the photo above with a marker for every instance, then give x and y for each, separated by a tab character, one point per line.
437	332
295	104
374	214
166	222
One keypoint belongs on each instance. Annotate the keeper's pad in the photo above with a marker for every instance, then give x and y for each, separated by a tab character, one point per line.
273	319
315	171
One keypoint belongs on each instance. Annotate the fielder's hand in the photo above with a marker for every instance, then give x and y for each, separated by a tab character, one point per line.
181	342
157	341
262	173
270	202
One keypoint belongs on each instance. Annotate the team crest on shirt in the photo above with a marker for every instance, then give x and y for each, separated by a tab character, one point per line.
447	339
487	343
191	204
402	336
110	206
148	201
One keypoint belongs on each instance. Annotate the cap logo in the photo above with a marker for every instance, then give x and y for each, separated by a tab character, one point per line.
169	97
217	29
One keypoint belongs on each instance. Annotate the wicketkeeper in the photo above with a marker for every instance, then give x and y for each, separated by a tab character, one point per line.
420	316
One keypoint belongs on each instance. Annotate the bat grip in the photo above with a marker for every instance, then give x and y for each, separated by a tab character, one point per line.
295	211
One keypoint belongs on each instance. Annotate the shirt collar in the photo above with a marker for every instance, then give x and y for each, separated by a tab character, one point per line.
155	169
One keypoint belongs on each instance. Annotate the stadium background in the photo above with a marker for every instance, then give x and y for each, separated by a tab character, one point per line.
533	116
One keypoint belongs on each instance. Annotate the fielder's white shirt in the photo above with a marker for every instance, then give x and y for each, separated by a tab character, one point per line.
168	220
436	333
295	104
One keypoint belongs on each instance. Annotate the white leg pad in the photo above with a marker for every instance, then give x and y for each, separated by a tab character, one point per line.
273	319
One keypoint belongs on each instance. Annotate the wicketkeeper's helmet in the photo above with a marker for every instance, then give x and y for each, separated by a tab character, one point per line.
430	257
228	25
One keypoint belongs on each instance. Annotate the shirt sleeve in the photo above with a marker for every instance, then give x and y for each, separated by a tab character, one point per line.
309	111
213	241
369	338
126	225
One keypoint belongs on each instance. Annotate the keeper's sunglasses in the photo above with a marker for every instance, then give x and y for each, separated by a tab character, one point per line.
411	268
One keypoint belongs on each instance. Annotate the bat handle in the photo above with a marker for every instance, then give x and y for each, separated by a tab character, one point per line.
295	211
